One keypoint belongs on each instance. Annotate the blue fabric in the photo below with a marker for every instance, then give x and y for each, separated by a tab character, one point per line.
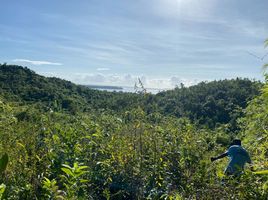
238	158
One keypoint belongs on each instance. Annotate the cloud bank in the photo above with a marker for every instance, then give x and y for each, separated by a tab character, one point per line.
130	80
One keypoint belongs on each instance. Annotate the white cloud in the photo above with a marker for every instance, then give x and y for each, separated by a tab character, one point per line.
130	80
36	62
101	79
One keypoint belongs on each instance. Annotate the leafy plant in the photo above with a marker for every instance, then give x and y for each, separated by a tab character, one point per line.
68	142
73	180
52	191
2	190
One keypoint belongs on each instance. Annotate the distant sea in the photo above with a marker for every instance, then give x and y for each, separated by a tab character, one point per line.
122	89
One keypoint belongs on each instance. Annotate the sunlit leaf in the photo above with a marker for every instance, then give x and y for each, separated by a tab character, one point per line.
83	181
67	171
264	172
2	190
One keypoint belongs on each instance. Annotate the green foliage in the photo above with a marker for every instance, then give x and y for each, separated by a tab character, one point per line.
209	104
254	130
51	189
2	190
23	85
130	156
69	142
3	163
73	181
261	172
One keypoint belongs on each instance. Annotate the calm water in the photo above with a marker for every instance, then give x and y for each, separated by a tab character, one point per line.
129	89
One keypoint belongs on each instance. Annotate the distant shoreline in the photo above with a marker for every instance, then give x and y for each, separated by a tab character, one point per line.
121	88
104	87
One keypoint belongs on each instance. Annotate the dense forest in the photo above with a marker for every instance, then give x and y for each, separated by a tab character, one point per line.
59	140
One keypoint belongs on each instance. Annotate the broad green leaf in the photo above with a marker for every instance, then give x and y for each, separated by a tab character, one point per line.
59	197
2	190
80	173
46	181
264	172
67	171
96	135
83	181
67	166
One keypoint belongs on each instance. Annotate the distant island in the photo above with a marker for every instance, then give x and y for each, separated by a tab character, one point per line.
104	87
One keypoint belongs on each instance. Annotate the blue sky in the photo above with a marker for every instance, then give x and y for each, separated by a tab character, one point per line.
164	42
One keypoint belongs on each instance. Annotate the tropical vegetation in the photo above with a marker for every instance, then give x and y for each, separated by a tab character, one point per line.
59	140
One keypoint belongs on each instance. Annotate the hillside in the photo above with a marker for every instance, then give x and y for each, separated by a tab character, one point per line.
21	84
210	104
141	150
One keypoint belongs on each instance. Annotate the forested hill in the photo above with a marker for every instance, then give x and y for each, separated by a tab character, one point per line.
206	103
63	141
21	84
210	102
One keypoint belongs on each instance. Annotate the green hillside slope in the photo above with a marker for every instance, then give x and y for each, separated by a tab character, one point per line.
22	84
137	151
212	103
